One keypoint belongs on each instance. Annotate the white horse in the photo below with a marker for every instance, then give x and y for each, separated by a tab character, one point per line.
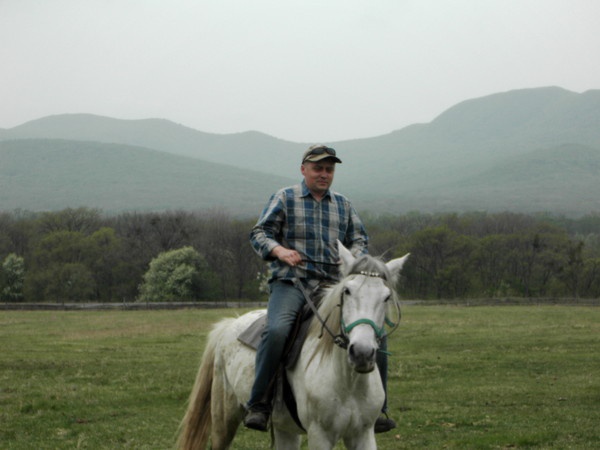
336	385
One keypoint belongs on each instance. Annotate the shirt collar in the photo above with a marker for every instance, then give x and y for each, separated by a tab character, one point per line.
306	192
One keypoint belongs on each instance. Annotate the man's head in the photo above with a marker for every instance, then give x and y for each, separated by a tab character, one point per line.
318	167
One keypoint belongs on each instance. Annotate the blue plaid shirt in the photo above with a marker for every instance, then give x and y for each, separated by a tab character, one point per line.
294	219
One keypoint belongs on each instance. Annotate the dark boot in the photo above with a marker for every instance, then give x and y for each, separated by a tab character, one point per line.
384	424
257	420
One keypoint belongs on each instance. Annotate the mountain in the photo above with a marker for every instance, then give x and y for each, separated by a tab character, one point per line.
249	150
476	134
561	179
506	151
51	174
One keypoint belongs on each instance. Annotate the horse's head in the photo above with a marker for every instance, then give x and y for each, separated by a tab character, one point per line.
367	295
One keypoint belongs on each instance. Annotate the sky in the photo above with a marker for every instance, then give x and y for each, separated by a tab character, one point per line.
303	71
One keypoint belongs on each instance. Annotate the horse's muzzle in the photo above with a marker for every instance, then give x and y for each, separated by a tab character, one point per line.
362	357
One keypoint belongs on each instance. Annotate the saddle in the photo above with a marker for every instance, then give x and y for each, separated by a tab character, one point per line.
252	336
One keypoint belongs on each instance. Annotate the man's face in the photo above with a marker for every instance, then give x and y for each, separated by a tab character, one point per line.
318	175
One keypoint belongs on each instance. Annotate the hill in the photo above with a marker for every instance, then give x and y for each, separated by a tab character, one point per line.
477	134
562	179
246	150
499	152
43	174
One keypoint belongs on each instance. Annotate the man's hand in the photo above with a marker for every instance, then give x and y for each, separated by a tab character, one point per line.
290	257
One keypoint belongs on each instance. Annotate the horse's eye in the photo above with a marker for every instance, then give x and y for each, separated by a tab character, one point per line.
387	298
346	291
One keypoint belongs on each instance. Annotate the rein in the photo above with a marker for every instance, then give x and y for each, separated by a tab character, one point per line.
339	339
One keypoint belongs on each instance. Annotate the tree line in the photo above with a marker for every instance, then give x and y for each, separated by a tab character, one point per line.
83	255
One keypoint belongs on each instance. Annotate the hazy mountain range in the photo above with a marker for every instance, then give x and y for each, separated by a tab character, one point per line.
527	150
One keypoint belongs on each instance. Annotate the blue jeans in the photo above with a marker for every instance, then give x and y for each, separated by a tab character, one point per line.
382	365
285	303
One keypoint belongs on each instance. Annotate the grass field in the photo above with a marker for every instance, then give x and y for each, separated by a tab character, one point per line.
480	377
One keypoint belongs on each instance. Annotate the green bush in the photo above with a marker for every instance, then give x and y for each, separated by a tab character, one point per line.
12	278
176	275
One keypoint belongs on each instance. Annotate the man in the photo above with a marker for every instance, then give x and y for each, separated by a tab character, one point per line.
297	232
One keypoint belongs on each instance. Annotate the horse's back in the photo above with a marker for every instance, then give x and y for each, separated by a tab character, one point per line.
234	360
231	327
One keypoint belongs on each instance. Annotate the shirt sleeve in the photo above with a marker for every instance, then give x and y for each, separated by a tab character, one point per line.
267	232
356	239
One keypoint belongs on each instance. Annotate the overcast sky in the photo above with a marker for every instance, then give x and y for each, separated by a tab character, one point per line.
304	71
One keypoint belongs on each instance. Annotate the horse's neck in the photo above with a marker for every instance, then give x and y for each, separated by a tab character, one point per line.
330	376
333	366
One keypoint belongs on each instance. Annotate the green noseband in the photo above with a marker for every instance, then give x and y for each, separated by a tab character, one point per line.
342	340
378	331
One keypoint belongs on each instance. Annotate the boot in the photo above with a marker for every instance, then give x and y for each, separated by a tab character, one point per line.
257	420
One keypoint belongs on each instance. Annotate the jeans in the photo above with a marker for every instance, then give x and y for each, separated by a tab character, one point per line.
285	303
382	365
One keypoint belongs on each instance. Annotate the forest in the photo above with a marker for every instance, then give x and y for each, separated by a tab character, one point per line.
85	255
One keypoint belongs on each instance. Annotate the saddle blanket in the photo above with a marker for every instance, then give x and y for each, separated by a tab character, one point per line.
252	335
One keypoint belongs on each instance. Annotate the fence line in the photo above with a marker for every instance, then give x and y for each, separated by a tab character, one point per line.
137	306
128	306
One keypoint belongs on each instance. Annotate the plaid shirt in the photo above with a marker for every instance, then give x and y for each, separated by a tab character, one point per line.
294	219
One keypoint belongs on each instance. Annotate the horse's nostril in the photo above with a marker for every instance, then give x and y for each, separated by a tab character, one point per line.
351	350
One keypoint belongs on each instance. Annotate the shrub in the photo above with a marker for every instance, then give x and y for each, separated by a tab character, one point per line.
176	275
13	276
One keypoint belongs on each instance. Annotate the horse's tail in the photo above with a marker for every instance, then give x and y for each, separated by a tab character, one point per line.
196	424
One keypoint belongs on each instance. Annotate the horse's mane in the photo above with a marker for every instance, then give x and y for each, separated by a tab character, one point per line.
330	306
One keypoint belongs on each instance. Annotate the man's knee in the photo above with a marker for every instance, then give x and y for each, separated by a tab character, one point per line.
278	332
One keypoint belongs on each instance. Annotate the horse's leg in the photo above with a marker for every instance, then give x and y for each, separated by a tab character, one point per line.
320	439
365	441
286	441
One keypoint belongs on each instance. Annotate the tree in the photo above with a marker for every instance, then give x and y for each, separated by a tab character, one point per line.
16	230
491	260
176	275
83	220
227	249
59	268
79	254
13	271
109	269
68	282
536	257
591	278
439	256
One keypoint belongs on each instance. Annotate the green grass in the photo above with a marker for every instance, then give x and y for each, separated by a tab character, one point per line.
481	378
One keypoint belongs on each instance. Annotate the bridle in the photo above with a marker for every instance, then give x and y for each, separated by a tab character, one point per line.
342	340
380	332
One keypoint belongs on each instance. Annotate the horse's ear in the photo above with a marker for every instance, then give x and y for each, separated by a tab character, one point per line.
345	257
395	266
